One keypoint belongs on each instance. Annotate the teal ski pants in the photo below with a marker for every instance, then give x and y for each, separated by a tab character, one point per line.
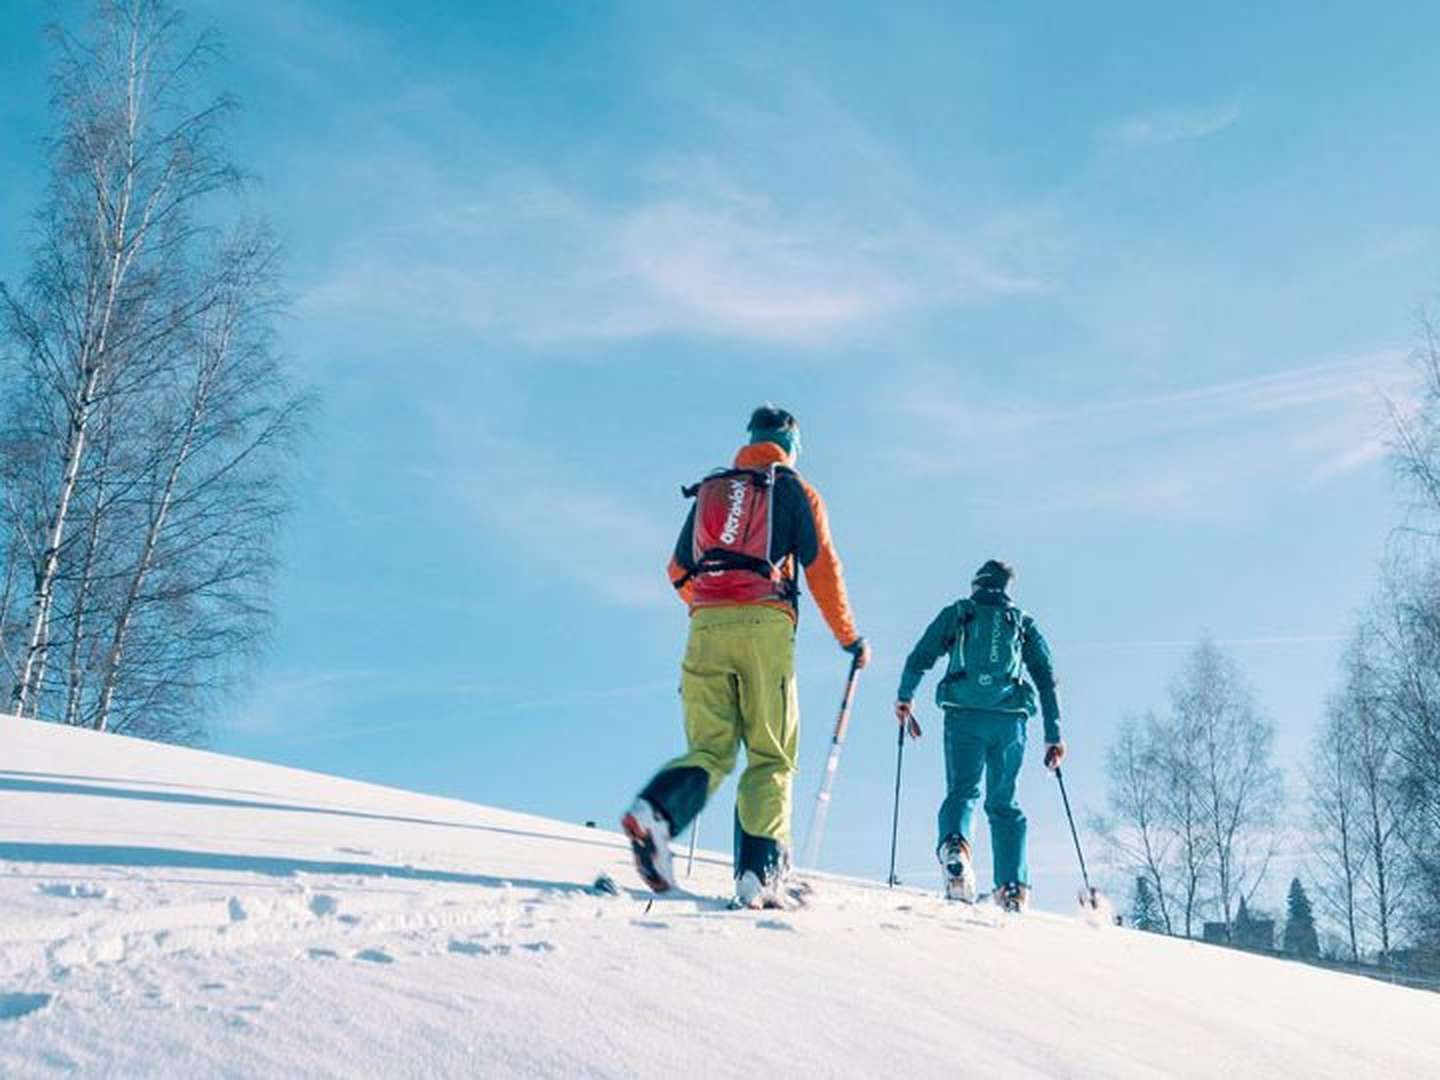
989	744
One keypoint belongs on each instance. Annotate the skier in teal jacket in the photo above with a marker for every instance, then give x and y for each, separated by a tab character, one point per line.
987	701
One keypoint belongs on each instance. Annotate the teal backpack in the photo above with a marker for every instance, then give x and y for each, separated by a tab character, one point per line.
987	663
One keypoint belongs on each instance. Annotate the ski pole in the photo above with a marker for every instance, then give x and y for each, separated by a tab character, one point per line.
694	833
827	780
1075	835
895	819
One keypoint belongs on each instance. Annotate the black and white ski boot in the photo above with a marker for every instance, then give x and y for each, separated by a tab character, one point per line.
954	856
781	892
649	835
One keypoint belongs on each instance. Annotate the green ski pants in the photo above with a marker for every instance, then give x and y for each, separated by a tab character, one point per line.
738	687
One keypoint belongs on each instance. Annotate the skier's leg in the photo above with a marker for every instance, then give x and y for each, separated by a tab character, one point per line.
1004	756
770	726
709	691
964	765
676	794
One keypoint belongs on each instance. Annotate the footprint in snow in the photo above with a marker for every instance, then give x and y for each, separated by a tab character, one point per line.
649	924
236	909
538	947
14	1006
72	891
322	954
774	924
322	904
375	956
468	948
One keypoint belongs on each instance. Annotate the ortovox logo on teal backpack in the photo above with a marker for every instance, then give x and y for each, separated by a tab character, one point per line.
987	663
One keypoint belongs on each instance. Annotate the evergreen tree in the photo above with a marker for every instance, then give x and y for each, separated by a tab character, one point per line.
1145	908
1300	937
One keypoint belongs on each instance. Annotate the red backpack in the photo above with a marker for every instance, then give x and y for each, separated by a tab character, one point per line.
734	517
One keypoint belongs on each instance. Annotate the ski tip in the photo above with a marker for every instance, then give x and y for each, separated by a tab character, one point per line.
604	885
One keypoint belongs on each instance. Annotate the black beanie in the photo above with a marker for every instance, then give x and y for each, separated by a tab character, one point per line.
994	575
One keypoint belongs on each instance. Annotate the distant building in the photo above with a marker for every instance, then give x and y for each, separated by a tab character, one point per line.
1248	931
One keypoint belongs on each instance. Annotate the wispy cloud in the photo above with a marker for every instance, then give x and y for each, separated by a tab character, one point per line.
529	260
778	217
286	702
572	523
1178	125
1186	450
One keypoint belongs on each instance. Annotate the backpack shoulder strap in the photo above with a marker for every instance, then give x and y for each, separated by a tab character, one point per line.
758	477
1023	622
964	616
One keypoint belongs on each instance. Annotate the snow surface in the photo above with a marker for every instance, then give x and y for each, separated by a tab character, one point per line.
171	912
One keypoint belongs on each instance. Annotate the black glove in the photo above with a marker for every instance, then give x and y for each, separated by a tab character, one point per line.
860	650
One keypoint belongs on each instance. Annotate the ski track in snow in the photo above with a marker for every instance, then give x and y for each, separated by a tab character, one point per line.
169	912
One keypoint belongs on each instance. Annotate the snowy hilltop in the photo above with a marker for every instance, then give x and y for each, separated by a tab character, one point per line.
170	912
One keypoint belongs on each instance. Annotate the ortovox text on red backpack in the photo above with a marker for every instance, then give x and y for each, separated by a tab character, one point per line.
734	518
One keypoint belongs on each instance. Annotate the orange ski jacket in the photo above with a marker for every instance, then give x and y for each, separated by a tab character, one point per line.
800	533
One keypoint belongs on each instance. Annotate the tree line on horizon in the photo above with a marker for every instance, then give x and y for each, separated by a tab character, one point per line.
1196	807
147	420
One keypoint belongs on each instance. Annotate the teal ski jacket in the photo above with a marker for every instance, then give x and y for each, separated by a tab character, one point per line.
939	639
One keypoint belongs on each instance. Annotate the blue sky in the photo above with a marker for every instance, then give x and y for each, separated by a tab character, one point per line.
1112	295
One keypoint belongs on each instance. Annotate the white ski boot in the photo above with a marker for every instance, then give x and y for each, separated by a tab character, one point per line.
751	892
954	856
649	835
782	892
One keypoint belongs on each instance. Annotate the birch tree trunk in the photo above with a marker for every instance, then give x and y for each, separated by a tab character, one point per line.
146	564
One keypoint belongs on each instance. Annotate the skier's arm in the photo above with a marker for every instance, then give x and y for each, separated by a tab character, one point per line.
682	560
823	571
1040	665
933	644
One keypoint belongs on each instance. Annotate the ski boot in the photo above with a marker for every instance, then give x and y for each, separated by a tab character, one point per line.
1013	898
781	891
751	892
954	856
649	835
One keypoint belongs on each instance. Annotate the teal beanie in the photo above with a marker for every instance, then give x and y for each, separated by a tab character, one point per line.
773	425
785	438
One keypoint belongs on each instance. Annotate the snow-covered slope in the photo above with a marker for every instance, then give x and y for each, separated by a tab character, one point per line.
170	912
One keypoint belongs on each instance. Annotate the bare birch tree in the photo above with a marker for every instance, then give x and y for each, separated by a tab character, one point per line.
1407	645
1135	830
1415	446
1227	745
152	416
1379	782
1183	805
1335	818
